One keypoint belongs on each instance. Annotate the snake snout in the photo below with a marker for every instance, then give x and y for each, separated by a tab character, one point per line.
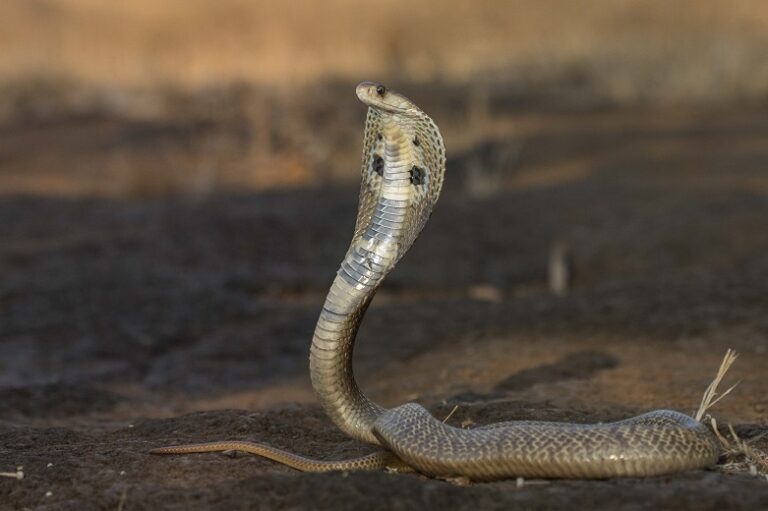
364	90
372	94
384	99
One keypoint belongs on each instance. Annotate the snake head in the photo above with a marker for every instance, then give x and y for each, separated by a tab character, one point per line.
379	97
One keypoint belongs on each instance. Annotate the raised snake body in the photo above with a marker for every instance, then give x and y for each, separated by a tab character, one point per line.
402	174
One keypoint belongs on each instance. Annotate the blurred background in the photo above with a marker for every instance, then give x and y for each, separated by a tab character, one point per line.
178	179
145	98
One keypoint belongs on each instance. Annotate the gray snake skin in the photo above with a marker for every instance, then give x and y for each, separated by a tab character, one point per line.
402	175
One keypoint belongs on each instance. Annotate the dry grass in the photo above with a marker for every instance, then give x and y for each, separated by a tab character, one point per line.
740	455
450	414
710	397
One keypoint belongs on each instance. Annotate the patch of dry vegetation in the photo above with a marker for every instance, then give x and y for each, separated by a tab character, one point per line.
740	455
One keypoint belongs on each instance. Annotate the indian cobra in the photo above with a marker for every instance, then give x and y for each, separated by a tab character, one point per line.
402	174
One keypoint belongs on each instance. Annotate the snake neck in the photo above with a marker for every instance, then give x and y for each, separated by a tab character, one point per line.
369	259
403	165
362	270
330	362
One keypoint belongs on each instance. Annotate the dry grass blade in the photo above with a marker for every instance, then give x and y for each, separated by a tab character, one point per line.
711	397
723	441
456	407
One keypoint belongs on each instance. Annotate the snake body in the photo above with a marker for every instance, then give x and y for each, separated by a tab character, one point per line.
402	175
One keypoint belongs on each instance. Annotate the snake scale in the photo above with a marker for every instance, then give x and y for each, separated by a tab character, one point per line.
402	175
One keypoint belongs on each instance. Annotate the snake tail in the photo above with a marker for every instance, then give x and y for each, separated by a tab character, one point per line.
376	461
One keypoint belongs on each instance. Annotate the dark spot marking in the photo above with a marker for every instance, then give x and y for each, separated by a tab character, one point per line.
417	175
378	164
381	90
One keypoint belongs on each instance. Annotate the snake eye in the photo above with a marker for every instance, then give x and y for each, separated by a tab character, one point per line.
380	90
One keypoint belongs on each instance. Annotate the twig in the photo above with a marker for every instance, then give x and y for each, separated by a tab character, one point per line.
19	474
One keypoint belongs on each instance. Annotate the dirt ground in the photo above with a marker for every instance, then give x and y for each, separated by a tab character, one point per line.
131	323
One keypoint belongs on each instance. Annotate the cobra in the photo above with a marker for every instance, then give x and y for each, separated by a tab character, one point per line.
402	175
